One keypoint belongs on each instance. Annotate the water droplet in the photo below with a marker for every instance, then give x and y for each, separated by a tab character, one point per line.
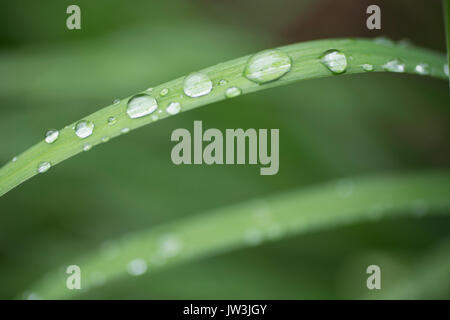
233	92
170	245
154	117
267	65
422	69
14	159
334	60
394	65
87	147
44	166
116	101
446	69
84	128
164	92
125	130
384	41
112	120
223	82
367	67
405	42
149	90
141	105
51	135
173	108
197	85
105	139
137	267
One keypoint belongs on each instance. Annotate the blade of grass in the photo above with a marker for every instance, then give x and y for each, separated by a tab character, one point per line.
305	65
326	206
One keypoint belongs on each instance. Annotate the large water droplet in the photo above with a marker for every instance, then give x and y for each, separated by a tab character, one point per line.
44	166
394	65
173	108
137	267
422	69
51	135
197	85
334	60
84	128
267	65
141	105
233	92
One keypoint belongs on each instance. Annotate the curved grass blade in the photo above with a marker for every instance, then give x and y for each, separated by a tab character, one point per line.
362	55
330	205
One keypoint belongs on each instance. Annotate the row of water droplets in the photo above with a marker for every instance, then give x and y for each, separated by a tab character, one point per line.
263	67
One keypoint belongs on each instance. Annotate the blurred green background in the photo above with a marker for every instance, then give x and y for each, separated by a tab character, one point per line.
329	128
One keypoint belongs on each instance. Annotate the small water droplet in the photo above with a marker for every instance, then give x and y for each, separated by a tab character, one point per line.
125	130
394	65
223	82
367	67
173	108
197	85
44	166
149	90
384	41
422	69
154	117
446	69
84	128
334	60
87	147
164	92
267	65
105	139
170	245
137	267
14	159
233	92
116	101
141	105
112	120
51	135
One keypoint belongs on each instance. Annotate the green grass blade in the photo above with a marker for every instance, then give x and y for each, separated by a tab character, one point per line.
305	65
331	205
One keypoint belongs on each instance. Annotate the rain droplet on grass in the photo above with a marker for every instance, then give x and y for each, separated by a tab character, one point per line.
14	159
394	65
233	92
125	130
334	60
112	120
446	69
267	65
43	167
116	101
223	82
137	267
367	67
51	135
105	139
422	69
87	147
141	105
173	108
197	85
164	92
84	128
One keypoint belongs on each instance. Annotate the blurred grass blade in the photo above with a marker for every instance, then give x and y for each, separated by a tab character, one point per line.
330	205
362	55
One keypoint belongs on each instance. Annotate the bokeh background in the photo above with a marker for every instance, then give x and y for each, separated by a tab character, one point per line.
329	128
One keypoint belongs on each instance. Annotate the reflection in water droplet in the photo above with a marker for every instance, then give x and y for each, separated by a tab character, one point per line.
51	135
84	128
233	92
197	85
44	166
267	65
334	60
394	65
173	108
137	267
141	105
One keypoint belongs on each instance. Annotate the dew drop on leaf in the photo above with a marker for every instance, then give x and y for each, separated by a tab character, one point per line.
173	108
141	105
394	65
43	167
233	92
367	67
422	69
111	120
164	92
51	135
197	85
84	128
137	267
334	60
267	65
